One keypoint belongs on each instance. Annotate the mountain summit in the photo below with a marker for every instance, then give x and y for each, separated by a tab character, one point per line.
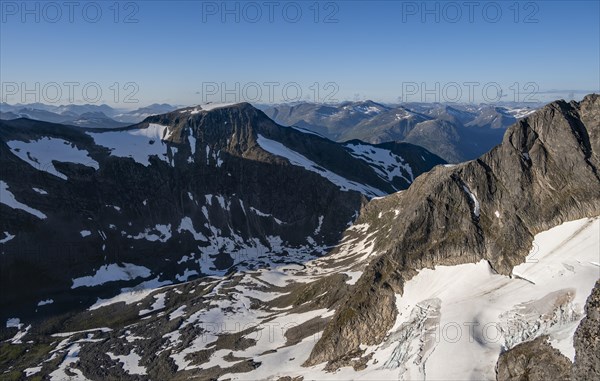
194	192
543	174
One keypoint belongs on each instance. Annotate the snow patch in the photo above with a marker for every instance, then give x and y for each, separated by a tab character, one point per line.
40	191
187	225
70	359
132	294
112	273
41	154
354	276
164	233
476	206
299	160
385	163
7	237
179	312
214	106
159	304
14	323
261	214
138	144
187	273
8	199
130	362
318	229
45	302
31	371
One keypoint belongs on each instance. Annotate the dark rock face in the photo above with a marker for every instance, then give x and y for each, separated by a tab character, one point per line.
534	360
544	173
587	340
211	200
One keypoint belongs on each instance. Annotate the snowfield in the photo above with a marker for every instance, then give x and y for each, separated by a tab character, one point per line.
7	237
207	107
8	199
111	273
130	363
41	154
385	163
297	159
138	144
476	206
454	321
520	113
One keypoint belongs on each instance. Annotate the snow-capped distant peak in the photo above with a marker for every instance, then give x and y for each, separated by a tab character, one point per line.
370	110
402	113
519	113
366	107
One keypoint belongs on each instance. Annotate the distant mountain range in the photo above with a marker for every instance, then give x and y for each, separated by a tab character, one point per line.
90	116
456	132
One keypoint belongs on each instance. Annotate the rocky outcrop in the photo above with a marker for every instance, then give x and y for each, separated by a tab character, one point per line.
587	340
538	360
534	360
544	173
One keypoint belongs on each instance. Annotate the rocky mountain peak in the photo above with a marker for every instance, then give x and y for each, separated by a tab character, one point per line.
559	131
204	189
232	128
543	174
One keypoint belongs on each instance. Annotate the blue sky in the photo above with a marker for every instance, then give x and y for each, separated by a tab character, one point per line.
189	52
